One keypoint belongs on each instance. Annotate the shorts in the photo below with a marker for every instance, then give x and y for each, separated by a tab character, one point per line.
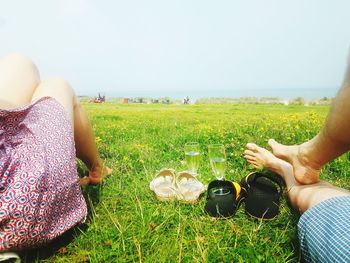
324	231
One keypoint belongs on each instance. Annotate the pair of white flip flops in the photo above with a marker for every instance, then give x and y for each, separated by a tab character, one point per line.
183	186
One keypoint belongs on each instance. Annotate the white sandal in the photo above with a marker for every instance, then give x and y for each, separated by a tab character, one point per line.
184	186
163	185
188	186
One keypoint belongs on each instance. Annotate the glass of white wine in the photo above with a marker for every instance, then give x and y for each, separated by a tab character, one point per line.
217	158
192	155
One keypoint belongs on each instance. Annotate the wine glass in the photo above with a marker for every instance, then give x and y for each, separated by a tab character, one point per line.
192	155
217	158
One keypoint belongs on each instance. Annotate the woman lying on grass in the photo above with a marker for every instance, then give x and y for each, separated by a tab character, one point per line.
42	130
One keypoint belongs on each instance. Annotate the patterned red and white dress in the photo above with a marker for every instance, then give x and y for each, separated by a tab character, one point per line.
40	196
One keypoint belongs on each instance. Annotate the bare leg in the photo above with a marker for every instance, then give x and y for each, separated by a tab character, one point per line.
83	135
18	80
20	84
306	167
332	141
302	197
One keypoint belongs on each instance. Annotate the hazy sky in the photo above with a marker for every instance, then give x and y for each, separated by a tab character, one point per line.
182	45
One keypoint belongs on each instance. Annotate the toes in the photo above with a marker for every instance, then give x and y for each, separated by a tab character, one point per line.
274	144
249	152
271	142
107	170
252	146
84	181
249	158
256	166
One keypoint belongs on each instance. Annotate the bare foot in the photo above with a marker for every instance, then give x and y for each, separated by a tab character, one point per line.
306	171
261	158
96	175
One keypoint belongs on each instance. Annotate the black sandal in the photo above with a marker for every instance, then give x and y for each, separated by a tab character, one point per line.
261	193
223	199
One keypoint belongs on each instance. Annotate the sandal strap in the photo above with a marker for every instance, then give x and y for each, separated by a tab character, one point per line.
262	192
251	178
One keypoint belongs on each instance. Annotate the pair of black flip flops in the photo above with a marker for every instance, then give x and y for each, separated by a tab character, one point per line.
260	192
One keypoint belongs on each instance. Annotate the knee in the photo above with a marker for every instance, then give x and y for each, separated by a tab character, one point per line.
57	81
58	84
18	58
20	63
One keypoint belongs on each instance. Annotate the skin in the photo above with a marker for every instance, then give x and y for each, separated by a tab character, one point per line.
301	196
332	141
20	84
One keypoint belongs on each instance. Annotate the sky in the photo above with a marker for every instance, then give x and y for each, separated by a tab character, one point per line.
125	48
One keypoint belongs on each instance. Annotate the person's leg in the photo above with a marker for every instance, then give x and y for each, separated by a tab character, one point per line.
20	84
86	149
323	229
18	80
302	197
332	141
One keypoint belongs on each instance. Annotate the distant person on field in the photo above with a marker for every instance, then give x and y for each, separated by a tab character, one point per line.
187	100
101	98
42	130
324	228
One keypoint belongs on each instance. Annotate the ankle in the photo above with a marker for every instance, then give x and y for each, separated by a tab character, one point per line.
96	168
271	164
308	157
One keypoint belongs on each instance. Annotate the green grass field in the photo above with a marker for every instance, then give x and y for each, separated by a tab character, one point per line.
126	222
